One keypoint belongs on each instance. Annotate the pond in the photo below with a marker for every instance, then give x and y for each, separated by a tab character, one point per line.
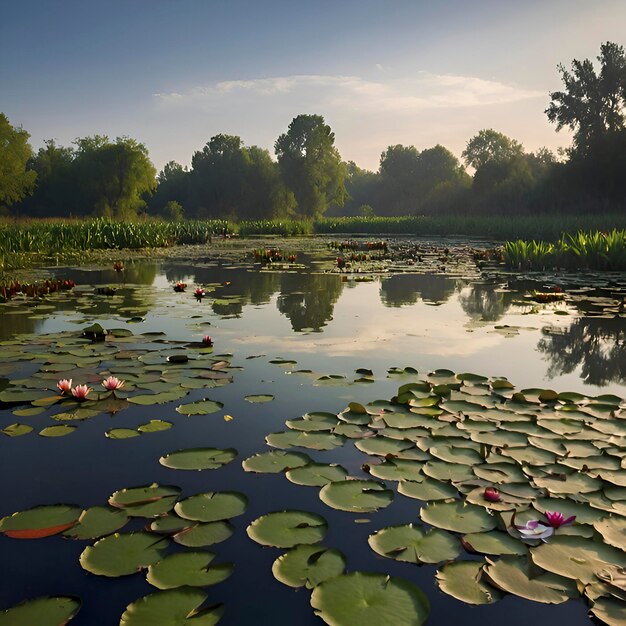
310	340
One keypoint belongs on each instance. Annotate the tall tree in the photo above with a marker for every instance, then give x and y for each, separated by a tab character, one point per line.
591	104
311	165
15	151
490	146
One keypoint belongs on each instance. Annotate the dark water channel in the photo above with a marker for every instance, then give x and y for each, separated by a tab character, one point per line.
327	324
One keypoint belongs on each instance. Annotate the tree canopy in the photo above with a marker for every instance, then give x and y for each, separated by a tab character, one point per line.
490	146
311	166
15	151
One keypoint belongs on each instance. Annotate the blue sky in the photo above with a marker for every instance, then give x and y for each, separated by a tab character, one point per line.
173	73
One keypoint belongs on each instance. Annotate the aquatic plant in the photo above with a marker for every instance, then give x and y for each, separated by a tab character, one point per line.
112	383
65	385
80	392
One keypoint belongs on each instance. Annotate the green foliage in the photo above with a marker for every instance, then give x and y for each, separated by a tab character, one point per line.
311	166
490	146
15	151
173	211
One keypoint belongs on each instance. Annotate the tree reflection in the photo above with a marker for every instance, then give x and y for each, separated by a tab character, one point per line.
308	300
596	345
404	289
482	303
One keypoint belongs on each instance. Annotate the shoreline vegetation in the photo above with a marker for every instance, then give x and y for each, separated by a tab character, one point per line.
595	242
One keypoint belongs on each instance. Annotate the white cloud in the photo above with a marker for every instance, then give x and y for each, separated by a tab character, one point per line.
420	92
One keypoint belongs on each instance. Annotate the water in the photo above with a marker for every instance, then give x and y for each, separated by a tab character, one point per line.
328	325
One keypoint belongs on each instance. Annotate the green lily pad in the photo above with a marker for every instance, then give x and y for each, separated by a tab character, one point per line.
609	610
440	470
204	534
458	517
259	398
212	506
96	522
198	458
308	566
204	407
134	496
613	531
173	607
411	544
494	542
123	554
383	446
462	580
40	521
190	569
275	461
316	474
396	469
285	529
44	611
314	422
516	575
154	426
370	600
122	433
356	496
17	430
302	439
424	488
170	524
57	431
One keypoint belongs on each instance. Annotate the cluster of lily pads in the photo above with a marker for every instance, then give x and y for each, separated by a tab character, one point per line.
533	482
132	370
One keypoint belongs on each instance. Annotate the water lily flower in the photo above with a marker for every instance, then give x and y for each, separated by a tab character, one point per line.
80	392
65	385
492	494
118	266
534	530
556	519
207	340
199	293
112	383
179	287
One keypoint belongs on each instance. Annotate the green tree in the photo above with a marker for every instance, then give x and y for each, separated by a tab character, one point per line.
490	146
172	186
591	104
362	188
15	151
311	166
113	177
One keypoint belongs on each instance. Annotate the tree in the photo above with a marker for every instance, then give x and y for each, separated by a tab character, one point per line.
113	177
15	151
490	146
311	166
362	189
591	104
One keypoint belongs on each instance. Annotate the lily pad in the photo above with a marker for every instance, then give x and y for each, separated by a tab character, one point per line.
122	433
204	407
275	461
458	517
97	521
462	580
259	398
44	611
411	544
40	521
397	469
308	566
313	441
316	474
204	534
173	607
356	496
198	458
123	554
212	506
154	426
494	542
57	431
187	569
370	600
424	488
285	529
17	430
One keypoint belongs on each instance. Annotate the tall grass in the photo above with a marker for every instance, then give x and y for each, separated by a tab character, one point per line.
594	250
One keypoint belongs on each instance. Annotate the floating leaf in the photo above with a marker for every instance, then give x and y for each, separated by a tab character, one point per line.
275	461
259	398
123	554
411	544
205	534
134	496
154	426
396	469
40	521
57	431
198	458
285	529
458	517
313	441
212	506
122	433
308	566
173	607
370	600
316	474
44	611
17	430
97	521
494	542
424	488
187	569
356	496
204	407
462	580
613	531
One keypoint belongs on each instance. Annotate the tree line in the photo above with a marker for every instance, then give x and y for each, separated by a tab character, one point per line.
307	178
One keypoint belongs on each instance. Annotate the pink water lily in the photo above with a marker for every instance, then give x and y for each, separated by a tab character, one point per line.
65	385
556	519
112	383
534	530
180	286
80	392
199	293
207	340
492	494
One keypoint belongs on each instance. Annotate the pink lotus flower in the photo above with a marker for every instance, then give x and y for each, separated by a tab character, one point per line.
178	287
112	383
199	293
557	519
65	385
80	392
492	494
207	340
535	530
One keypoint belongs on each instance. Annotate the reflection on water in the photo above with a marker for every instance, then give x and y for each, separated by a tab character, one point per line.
405	289
484	302
595	345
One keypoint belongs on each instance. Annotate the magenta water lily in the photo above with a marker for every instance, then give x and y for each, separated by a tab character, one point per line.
556	519
80	392
199	293
491	494
65	385
112	383
207	340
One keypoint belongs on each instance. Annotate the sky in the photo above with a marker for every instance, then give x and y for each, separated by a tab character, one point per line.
173	73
